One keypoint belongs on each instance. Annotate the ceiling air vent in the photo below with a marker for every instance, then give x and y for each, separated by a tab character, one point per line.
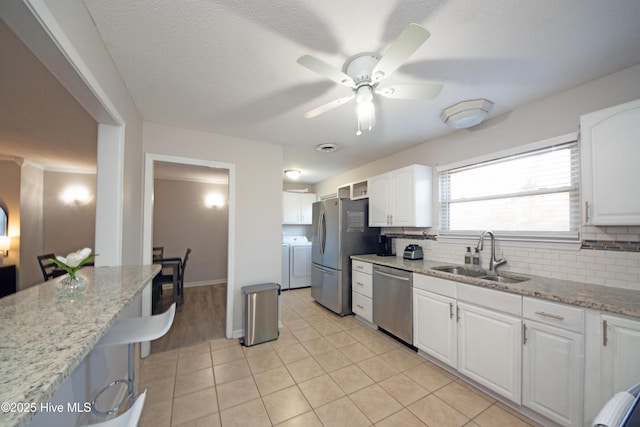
327	148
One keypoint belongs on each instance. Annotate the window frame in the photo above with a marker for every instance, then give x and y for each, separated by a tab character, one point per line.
541	238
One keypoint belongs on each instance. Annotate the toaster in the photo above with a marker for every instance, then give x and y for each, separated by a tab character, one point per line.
413	252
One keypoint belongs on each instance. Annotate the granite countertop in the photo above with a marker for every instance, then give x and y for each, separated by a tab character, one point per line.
596	297
44	337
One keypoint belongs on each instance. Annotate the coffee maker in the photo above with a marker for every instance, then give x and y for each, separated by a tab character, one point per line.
385	246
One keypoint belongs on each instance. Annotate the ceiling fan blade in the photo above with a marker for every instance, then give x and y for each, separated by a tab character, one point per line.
326	107
411	91
326	70
402	48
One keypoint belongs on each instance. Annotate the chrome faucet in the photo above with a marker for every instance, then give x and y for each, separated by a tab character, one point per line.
493	262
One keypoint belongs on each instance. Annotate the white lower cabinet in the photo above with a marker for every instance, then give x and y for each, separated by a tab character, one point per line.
553	361
620	363
490	349
434	320
476	330
434	325
362	290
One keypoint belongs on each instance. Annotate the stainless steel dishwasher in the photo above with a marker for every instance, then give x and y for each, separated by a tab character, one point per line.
392	301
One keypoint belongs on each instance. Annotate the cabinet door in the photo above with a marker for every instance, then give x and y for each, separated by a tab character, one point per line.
490	349
402	201
553	372
306	205
610	147
379	188
434	325
620	362
290	208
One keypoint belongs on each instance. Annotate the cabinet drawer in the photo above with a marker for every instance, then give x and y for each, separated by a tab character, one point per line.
365	267
362	306
436	285
489	298
362	283
554	314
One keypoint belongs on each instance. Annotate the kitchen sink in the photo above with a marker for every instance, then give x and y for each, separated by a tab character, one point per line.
460	270
479	274
502	279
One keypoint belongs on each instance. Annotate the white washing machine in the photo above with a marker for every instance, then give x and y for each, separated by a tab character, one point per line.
299	261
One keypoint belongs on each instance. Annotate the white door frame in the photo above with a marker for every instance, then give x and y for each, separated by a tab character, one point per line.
147	227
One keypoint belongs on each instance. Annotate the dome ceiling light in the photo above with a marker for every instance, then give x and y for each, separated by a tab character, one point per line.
466	114
292	173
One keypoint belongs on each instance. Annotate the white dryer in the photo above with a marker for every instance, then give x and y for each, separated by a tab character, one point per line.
299	261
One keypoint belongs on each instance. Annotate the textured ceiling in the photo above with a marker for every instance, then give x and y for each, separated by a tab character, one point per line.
229	66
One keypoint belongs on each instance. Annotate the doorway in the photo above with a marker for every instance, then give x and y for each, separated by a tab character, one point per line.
190	210
166	162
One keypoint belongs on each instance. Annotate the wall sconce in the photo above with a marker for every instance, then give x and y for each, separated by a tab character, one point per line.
212	200
77	195
5	245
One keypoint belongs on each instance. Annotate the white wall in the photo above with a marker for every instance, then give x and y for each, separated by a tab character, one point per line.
549	117
181	220
257	199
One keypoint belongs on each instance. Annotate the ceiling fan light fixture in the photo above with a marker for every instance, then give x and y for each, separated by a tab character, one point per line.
365	110
466	114
292	173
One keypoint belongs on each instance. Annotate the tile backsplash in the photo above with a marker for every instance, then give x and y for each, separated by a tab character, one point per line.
609	256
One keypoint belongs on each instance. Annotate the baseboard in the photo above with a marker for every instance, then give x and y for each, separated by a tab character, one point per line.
197	284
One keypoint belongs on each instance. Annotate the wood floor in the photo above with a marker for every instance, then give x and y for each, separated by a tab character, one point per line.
201	318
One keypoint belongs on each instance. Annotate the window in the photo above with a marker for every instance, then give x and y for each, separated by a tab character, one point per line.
529	194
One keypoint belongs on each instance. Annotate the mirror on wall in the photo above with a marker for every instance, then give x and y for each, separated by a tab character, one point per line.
4	220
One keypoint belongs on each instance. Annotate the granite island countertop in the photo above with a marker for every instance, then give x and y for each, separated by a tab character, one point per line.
44	337
596	297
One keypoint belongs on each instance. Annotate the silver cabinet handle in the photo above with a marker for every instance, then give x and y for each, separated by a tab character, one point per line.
605	339
553	316
457	314
450	310
359	267
360	307
359	284
524	333
586	212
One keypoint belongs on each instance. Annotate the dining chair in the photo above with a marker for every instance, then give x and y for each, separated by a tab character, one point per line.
164	277
49	269
158	252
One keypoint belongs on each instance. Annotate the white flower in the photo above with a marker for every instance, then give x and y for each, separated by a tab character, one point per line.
75	258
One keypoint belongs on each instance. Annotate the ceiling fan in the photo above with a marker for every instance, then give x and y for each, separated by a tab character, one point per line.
363	72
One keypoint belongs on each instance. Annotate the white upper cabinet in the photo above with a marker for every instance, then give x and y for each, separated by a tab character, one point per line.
401	198
297	207
610	147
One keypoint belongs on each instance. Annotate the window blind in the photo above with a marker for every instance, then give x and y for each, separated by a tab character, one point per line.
534	192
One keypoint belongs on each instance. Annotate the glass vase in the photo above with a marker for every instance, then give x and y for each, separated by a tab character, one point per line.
71	285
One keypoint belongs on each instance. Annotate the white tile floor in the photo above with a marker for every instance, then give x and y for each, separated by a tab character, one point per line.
323	370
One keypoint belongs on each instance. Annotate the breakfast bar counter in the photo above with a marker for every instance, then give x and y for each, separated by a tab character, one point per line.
44	337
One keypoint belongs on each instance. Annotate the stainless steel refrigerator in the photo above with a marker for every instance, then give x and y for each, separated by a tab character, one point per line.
340	229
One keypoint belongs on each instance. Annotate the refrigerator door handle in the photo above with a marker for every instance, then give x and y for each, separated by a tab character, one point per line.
322	232
325	271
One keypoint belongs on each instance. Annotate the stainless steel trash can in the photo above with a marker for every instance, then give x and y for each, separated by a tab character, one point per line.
260	313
